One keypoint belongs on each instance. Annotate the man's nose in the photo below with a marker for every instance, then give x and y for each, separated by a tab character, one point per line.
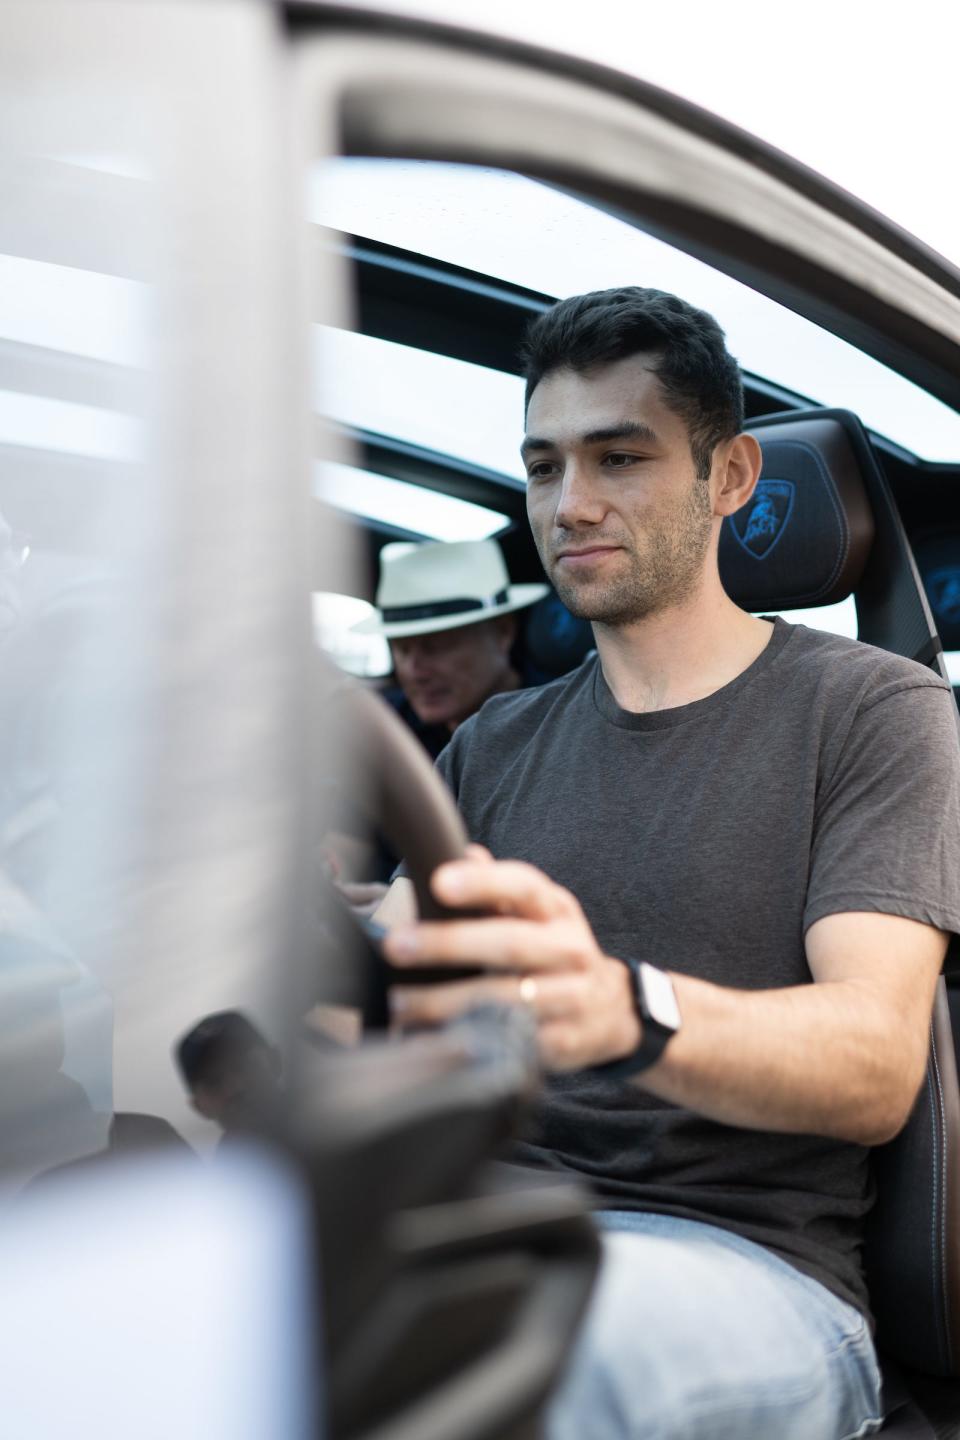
581	499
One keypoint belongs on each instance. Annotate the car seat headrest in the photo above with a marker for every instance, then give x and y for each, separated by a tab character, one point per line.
804	537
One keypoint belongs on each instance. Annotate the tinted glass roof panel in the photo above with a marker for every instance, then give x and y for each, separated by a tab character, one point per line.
430	400
36	422
527	233
77	312
412	508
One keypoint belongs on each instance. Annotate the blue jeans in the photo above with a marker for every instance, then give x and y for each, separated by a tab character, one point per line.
696	1334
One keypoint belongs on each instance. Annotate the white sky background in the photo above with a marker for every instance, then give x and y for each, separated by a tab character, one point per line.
865	93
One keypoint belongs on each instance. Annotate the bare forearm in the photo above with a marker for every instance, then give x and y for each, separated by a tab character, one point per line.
842	1056
821	1059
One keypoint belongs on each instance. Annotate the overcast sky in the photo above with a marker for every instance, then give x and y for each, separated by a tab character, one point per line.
866	93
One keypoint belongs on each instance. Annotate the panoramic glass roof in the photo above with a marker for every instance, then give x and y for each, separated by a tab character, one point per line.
35	422
75	312
468	411
407	507
527	233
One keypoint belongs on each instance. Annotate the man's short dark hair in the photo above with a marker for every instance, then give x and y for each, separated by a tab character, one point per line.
216	1041
700	378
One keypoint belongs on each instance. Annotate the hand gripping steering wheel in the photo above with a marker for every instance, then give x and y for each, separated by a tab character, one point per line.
409	804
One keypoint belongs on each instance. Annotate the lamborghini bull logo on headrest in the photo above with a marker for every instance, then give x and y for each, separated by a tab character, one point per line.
759	525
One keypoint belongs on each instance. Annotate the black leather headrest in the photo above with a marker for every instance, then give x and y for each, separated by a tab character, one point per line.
938	560
804	537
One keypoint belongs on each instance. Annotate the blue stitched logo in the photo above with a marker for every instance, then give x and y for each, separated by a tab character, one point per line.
943	587
759	525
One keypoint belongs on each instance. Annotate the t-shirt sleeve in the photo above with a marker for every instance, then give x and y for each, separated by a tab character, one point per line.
452	759
887	835
446	768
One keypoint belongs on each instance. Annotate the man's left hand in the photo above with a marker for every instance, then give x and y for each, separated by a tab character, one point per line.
534	939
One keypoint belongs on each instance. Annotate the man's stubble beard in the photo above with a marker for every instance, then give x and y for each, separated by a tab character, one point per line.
661	578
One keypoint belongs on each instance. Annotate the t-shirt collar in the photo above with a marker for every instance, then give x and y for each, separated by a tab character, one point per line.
683	714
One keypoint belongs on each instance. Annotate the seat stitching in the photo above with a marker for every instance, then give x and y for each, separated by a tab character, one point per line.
933	1214
943	1199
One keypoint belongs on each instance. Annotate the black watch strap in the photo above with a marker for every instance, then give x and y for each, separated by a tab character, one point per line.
659	1015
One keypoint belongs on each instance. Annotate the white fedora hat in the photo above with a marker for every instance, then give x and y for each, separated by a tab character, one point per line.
431	587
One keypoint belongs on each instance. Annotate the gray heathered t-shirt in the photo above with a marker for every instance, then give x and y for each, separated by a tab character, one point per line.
707	839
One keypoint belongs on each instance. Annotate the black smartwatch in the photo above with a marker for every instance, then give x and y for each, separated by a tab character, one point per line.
656	1005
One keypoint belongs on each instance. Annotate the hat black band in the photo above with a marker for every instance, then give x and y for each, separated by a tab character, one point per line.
393	613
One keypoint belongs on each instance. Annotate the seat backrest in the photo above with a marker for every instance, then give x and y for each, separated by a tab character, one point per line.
821	526
938	558
913	1236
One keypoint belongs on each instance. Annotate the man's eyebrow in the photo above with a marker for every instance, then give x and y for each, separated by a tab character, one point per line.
620	430
533	442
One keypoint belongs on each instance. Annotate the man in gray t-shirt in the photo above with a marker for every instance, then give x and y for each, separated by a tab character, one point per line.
727	856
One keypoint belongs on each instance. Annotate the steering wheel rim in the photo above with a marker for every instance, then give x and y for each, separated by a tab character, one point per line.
410	803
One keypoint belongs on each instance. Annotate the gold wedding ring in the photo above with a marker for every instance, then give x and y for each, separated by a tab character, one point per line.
528	991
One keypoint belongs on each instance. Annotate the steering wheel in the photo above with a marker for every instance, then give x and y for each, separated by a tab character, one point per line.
413	808
409	803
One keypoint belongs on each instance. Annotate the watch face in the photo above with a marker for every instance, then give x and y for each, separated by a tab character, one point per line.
659	998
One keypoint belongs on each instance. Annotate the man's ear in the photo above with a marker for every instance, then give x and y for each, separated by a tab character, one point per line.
738	474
